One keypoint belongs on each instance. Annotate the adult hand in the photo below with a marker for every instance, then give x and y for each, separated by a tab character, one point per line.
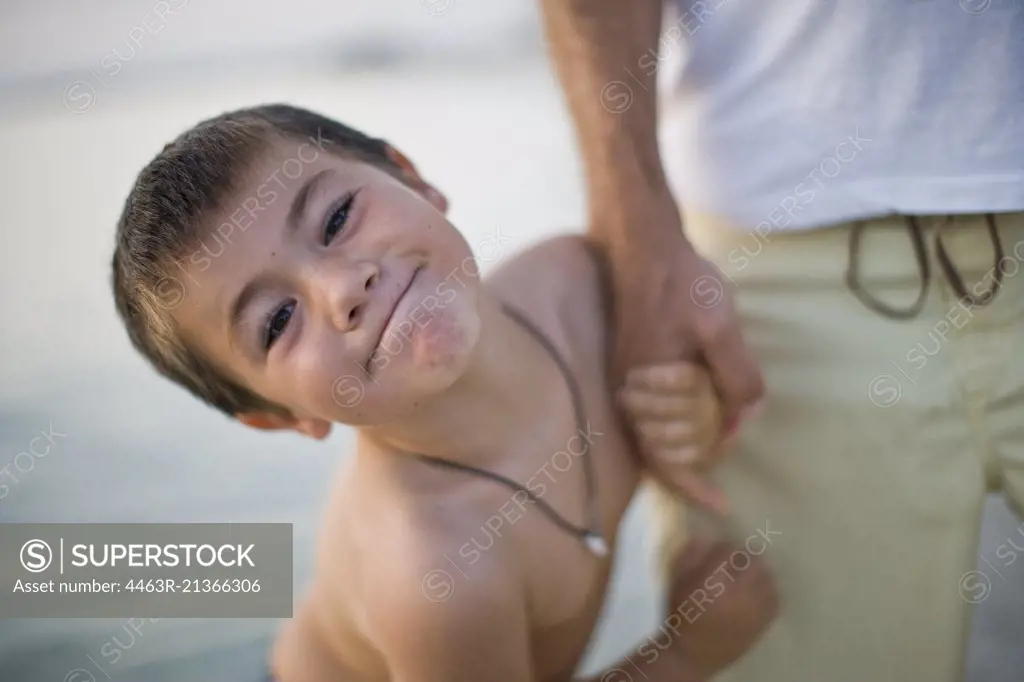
672	304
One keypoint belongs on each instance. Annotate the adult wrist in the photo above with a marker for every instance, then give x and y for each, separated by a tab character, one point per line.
642	232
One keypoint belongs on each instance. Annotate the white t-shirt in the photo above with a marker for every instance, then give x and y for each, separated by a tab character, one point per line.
802	113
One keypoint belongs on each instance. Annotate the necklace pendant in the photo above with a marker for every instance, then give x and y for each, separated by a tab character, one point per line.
596	544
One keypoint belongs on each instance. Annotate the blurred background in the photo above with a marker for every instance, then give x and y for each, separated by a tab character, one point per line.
89	92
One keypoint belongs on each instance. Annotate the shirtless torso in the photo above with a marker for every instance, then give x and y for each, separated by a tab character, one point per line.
432	567
461	527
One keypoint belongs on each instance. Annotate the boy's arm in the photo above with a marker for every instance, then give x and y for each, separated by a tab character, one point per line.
703	643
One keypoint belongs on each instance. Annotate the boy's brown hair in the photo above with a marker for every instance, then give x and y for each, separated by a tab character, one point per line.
167	214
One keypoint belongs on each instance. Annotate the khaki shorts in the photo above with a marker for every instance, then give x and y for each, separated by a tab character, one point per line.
878	442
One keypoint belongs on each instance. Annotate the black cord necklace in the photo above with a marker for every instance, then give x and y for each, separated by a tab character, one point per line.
592	536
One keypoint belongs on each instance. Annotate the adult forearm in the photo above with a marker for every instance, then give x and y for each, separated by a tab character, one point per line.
605	55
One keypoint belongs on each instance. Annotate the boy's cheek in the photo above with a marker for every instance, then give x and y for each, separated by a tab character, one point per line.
348	391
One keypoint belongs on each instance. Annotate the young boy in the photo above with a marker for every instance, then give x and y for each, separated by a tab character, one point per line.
292	272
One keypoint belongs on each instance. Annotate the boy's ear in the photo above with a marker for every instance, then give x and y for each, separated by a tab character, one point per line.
270	421
412	176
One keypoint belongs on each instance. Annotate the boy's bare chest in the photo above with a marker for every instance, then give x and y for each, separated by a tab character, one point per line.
566	582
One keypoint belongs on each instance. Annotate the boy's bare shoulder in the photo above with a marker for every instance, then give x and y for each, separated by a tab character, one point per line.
388	594
566	262
566	272
414	577
474	630
420	603
399	548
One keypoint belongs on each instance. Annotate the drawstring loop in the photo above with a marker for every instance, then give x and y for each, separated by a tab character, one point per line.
954	277
923	267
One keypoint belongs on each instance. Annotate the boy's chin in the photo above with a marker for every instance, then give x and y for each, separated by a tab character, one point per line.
421	375
430	357
433	361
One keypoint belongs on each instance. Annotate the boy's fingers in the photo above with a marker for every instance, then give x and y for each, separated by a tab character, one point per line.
645	403
676	432
665	434
667	377
685	455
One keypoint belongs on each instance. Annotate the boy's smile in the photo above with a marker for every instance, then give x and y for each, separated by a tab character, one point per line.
392	317
345	272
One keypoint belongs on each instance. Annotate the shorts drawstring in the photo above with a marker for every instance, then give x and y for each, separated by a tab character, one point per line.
953	276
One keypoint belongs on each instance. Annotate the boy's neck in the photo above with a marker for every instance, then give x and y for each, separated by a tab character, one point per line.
511	387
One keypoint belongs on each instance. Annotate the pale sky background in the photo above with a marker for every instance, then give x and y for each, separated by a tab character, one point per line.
461	85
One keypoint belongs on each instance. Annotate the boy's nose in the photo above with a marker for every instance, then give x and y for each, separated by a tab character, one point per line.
348	293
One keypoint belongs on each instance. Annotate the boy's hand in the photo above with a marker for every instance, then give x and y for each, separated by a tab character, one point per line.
675	413
719	611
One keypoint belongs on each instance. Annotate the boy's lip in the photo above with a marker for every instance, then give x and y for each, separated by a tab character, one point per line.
386	320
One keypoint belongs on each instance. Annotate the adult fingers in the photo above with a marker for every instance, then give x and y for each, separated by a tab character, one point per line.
736	373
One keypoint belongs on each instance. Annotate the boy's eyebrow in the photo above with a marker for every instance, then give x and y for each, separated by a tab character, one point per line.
239	305
301	199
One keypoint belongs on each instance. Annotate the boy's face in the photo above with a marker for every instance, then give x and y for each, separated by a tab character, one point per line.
331	288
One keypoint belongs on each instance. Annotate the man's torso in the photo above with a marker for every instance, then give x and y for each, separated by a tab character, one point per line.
805	113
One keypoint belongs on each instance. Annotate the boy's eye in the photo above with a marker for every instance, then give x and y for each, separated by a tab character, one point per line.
337	219
276	323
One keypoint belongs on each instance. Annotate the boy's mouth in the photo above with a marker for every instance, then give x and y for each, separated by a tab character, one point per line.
376	350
